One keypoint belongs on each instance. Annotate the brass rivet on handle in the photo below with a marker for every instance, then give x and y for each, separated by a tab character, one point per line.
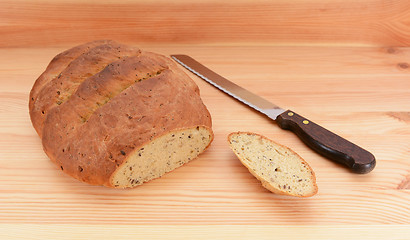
290	114
305	122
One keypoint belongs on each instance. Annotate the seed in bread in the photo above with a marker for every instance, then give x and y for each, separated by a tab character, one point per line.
279	169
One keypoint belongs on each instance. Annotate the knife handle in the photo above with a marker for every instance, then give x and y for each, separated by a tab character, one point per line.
327	143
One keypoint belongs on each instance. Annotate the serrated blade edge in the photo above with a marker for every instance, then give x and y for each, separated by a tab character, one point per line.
252	100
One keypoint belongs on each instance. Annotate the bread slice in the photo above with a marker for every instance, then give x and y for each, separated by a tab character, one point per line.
279	169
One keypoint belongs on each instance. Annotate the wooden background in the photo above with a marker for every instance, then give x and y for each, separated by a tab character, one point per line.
343	64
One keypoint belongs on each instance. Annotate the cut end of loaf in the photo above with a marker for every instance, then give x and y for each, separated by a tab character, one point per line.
279	169
161	155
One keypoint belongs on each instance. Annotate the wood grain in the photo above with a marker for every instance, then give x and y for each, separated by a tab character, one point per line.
360	93
205	232
343	64
244	22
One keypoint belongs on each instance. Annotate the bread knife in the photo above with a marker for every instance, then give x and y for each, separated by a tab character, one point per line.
321	140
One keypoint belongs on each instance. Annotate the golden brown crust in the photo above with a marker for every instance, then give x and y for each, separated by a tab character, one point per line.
265	183
50	93
58	64
129	101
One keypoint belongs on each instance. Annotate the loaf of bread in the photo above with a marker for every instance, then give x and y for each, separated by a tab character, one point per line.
279	169
114	115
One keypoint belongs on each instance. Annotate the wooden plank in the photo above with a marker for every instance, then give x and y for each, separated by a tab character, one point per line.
216	188
325	22
362	93
81	231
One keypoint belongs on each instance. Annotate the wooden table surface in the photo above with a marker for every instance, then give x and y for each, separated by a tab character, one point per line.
356	86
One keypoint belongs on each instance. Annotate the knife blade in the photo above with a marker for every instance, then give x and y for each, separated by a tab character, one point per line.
321	140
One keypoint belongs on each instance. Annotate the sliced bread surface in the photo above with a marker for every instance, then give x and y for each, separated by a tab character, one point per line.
279	169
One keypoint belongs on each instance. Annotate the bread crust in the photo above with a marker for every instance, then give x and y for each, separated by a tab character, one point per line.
266	184
52	73
126	100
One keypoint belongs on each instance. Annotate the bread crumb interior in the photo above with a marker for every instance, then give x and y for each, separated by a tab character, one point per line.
161	155
277	165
